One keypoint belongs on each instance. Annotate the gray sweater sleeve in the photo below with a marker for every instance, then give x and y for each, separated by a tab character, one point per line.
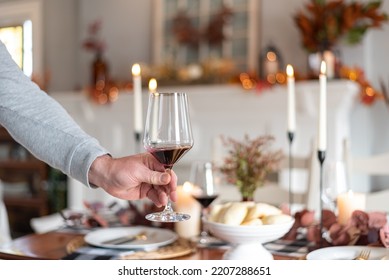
42	125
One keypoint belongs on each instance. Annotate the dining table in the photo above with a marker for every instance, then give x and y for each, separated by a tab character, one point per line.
54	245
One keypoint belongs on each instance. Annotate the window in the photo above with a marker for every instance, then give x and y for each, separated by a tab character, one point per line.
240	43
21	32
18	40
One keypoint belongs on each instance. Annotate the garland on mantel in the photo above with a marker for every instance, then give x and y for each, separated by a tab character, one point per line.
367	95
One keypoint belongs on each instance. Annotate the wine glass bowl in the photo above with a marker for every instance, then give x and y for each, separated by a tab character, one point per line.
168	136
334	182
205	192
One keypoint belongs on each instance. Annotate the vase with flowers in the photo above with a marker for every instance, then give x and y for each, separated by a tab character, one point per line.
249	162
99	66
323	25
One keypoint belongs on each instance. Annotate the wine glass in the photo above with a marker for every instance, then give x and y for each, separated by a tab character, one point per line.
168	136
334	182
205	193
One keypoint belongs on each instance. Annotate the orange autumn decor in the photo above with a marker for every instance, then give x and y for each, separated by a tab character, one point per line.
368	94
323	24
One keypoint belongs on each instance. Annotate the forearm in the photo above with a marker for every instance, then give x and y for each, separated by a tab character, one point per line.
40	124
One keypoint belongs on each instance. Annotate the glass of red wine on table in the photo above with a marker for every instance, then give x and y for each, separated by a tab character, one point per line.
168	136
205	192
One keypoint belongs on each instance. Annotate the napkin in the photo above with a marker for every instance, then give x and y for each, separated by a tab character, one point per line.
297	248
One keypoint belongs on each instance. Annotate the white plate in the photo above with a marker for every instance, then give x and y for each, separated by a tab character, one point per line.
156	237
346	253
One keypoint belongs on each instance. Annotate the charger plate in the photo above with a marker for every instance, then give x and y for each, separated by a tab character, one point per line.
180	247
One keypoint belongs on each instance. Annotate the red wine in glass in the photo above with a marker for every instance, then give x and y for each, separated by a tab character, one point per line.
205	200
168	155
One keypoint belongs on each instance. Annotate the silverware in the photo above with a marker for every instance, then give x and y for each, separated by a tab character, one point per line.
126	239
363	255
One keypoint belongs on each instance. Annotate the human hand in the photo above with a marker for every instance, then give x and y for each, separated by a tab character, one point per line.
134	177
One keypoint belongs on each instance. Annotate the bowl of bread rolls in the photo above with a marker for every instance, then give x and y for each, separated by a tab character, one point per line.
246	226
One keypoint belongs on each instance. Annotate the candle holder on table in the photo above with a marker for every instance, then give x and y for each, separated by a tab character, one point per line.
138	142
290	193
321	157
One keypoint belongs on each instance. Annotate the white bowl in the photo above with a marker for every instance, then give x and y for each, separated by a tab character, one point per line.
246	241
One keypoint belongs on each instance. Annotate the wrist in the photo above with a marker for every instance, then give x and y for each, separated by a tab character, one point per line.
98	172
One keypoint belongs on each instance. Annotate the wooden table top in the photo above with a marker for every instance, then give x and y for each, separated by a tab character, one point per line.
53	246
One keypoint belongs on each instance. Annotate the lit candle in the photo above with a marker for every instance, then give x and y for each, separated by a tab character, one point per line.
137	80
329	58
347	203
322	142
187	204
291	99
153	90
152	85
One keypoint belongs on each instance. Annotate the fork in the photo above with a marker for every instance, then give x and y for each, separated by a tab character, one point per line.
363	255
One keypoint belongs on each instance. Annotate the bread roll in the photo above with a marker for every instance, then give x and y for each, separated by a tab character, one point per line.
276	219
233	214
217	211
253	222
260	210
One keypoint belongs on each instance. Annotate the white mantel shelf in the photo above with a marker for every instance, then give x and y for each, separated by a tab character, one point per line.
225	110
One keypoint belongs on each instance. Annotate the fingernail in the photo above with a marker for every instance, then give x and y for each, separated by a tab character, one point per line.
165	178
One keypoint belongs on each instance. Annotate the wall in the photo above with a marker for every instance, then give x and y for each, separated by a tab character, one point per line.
127	28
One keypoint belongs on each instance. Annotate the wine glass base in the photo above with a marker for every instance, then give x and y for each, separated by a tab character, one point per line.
208	241
167	217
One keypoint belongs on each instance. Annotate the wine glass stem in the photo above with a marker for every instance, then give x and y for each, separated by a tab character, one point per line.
168	207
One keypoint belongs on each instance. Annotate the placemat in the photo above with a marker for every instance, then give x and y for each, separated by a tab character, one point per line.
78	249
298	248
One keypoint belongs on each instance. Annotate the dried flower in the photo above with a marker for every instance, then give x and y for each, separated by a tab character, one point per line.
361	229
249	162
186	33
324	23
93	42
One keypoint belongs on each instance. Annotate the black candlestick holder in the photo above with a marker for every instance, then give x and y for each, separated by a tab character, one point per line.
321	156
290	193
138	143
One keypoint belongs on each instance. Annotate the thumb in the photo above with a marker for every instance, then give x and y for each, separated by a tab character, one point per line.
159	178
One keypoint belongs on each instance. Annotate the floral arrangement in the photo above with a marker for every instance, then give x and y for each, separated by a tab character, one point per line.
94	42
324	23
187	34
249	162
361	229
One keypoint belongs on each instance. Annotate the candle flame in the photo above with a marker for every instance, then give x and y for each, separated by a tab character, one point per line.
323	67
187	187
136	69
152	85
289	70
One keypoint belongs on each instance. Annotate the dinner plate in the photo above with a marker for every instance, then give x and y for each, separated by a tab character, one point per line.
346	253
156	237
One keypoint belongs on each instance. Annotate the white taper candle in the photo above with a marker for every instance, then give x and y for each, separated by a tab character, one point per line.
291	99
322	143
